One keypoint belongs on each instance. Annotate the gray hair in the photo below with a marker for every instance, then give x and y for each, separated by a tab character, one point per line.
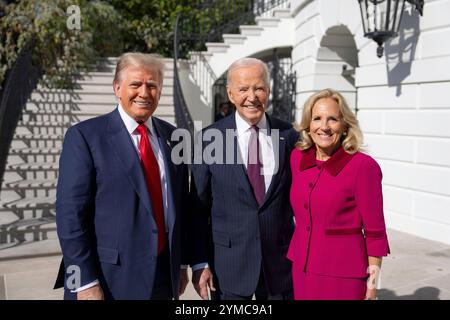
138	59
246	62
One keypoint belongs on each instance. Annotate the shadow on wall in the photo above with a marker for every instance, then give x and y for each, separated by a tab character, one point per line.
424	293
400	51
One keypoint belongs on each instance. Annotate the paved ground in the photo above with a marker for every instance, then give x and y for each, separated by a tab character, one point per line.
416	269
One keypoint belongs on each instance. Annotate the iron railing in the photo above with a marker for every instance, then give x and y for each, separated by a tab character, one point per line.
182	116
284	81
20	82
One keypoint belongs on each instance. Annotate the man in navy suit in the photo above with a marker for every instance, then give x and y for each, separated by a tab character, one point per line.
120	198
243	223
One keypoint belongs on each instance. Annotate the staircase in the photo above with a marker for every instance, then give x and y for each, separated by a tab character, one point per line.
27	199
273	29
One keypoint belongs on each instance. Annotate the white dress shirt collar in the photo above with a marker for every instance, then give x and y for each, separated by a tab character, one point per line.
242	125
131	124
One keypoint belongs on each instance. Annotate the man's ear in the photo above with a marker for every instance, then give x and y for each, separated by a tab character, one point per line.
116	87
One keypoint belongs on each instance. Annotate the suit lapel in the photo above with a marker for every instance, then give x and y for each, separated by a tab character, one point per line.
120	142
279	148
164	145
240	172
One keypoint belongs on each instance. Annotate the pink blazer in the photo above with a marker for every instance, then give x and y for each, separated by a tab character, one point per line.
338	207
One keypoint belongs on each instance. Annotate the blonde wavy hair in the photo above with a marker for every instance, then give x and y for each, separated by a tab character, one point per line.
351	141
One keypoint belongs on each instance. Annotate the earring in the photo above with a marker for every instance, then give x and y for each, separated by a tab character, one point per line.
345	133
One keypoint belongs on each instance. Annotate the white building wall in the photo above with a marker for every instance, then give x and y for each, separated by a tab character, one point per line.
403	101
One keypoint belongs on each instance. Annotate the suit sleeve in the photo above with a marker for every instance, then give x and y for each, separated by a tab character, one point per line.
75	206
369	199
200	230
186	208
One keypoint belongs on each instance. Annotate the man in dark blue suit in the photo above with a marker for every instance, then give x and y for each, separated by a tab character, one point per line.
243	223
120	198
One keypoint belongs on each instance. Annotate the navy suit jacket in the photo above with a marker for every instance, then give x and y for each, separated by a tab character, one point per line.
242	235
104	216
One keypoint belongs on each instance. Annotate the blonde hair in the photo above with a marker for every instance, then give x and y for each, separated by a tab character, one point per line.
138	59
352	141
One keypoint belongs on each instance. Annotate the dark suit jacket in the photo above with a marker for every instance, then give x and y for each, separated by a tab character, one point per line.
104	216
245	236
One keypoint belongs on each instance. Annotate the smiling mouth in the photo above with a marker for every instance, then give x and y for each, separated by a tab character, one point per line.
145	104
252	107
324	135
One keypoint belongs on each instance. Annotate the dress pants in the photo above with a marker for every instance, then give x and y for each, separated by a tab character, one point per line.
162	285
260	293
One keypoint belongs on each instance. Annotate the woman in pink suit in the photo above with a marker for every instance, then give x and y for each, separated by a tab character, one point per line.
340	236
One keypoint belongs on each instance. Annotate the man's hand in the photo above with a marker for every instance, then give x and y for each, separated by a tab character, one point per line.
92	293
202	279
184	280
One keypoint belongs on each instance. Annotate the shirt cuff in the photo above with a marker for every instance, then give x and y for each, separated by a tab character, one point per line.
87	286
199	266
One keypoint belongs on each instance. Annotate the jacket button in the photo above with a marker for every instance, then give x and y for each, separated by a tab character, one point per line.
308	228
311	184
305	206
319	167
155	231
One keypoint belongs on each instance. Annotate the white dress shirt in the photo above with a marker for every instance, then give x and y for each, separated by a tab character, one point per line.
265	142
135	137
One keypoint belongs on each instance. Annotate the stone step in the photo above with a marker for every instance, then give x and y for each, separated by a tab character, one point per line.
34	166
234	38
32	203
216	47
267	22
32	184
250	30
52	112
38	136
29	124
282	13
35	151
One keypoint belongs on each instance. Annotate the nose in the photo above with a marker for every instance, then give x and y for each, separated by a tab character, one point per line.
324	125
251	95
143	92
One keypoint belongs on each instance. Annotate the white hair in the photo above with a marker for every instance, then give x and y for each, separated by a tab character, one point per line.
246	62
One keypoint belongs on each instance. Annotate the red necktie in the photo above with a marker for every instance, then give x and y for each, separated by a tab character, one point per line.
151	170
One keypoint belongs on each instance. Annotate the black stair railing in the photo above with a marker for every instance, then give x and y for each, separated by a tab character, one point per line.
20	82
207	21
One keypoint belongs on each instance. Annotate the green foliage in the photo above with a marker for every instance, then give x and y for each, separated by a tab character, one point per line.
108	28
60	52
148	24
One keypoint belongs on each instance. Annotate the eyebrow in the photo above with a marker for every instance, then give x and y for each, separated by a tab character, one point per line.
151	82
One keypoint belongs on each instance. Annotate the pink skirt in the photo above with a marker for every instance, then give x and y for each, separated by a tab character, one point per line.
310	286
